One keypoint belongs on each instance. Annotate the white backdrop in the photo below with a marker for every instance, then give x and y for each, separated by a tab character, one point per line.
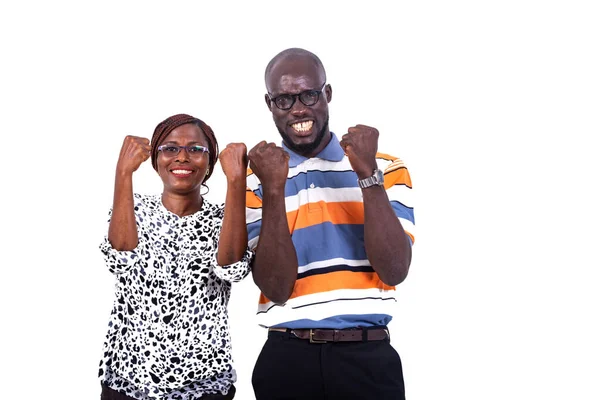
492	105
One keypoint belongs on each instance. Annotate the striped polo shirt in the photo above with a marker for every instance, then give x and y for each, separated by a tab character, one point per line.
336	286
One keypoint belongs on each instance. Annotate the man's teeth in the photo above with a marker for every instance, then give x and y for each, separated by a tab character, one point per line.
302	126
181	172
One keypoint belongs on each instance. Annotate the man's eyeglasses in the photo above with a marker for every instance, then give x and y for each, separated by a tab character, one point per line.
171	150
308	98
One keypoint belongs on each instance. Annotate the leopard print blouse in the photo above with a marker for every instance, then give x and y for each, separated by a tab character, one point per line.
168	334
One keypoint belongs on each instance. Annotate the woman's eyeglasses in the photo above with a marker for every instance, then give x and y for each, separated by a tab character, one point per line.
171	150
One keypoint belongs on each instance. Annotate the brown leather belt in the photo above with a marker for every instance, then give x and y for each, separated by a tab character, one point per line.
336	335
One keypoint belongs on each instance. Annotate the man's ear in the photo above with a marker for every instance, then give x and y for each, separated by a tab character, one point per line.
328	92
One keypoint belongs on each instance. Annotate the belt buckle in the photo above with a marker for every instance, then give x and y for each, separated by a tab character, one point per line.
310	338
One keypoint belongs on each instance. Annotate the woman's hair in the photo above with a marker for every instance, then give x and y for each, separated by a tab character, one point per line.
175	121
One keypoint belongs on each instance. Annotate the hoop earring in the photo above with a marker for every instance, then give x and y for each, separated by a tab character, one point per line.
207	190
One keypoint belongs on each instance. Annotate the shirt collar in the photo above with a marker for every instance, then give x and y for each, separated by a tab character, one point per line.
332	152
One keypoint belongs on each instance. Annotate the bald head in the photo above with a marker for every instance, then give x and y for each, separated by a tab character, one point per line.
293	56
298	98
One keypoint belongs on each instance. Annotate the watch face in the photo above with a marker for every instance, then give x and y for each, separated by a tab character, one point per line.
379	174
375	179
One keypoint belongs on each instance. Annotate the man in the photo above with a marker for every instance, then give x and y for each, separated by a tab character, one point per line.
327	218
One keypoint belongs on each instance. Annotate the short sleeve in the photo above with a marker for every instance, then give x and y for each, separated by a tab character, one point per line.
233	272
253	209
117	261
398	185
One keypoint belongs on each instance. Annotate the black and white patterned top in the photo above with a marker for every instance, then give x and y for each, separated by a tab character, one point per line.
168	335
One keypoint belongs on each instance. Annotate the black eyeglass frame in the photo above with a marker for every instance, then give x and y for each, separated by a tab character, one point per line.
298	96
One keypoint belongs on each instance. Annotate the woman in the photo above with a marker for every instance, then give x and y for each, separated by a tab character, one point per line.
174	256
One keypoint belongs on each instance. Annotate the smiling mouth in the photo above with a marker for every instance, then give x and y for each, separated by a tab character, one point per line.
302	127
181	172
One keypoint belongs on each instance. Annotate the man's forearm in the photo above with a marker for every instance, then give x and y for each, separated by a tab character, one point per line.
275	266
387	245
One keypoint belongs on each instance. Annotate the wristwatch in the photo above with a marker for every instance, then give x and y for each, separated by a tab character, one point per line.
375	179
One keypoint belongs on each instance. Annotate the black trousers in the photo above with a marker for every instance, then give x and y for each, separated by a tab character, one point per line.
111	394
294	369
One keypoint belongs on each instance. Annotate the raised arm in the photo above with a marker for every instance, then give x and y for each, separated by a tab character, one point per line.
122	231
233	239
275	265
387	245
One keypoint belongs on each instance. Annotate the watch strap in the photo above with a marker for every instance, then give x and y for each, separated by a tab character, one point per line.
371	180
